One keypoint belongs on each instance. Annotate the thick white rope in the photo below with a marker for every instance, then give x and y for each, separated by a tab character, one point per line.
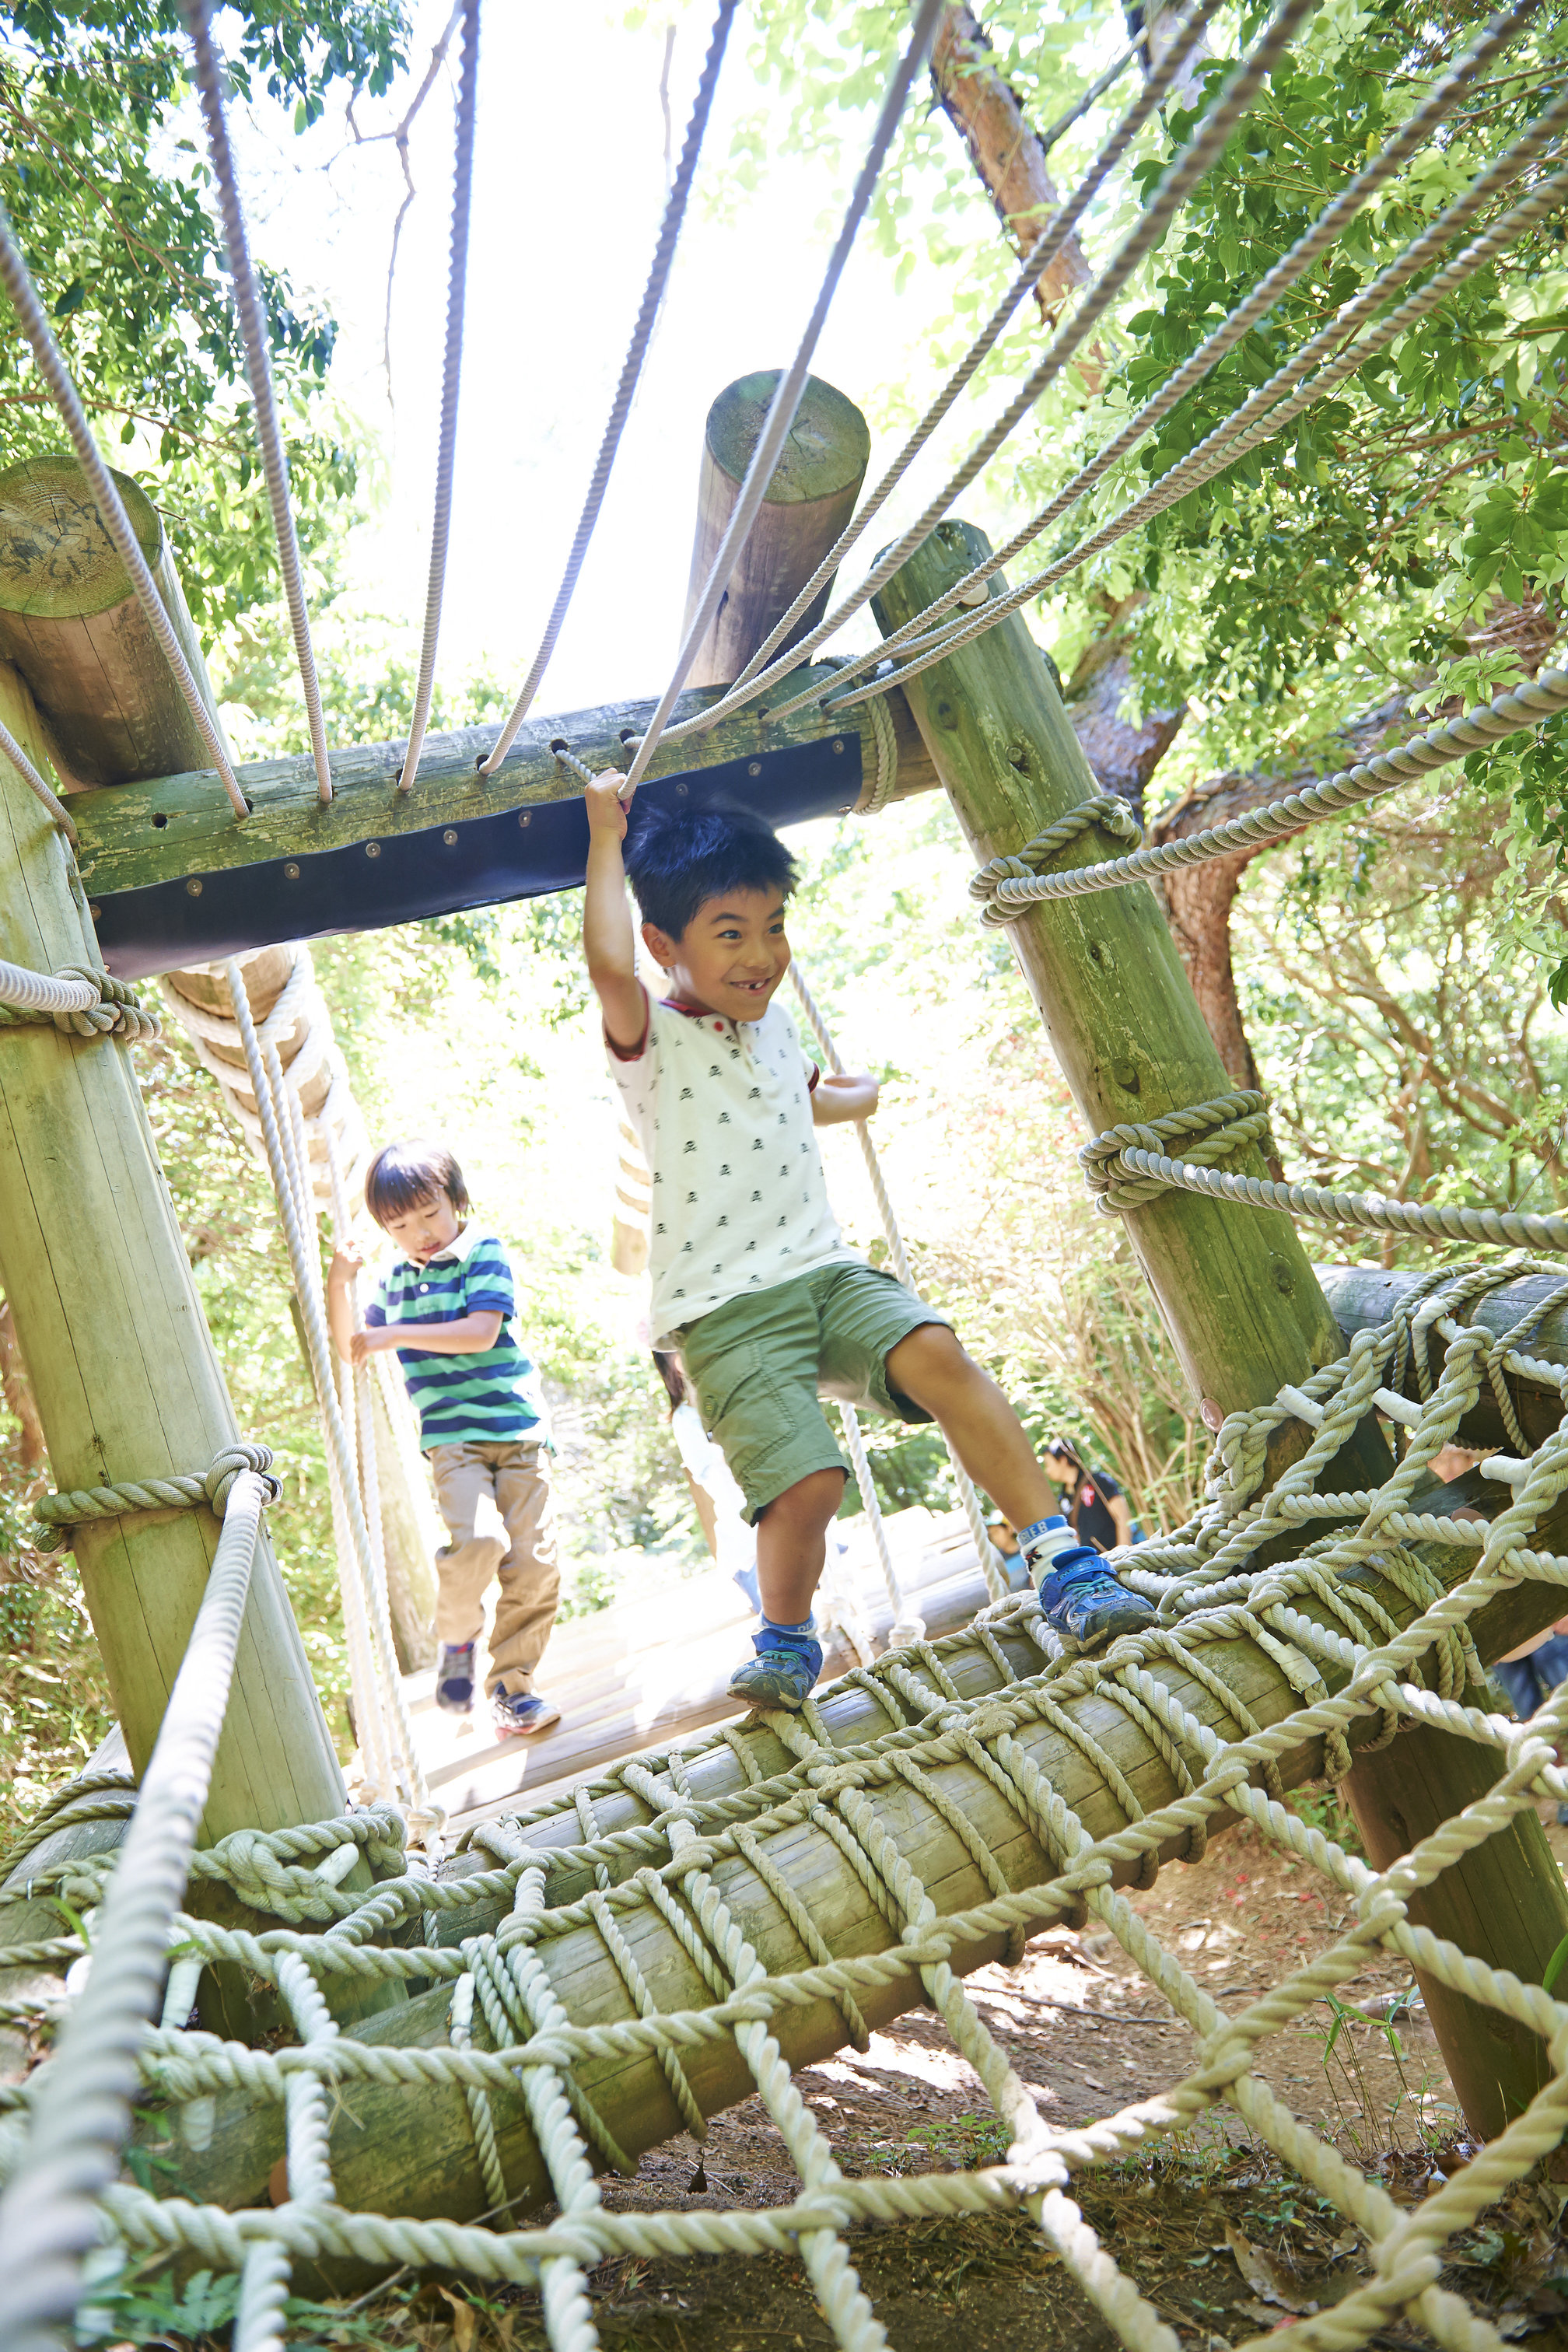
786	398
985	1550
51	364
1214	134
1258	419
36	785
49	2216
1008	887
1408	140
208	77
385	1709
1053	236
625	390
451	388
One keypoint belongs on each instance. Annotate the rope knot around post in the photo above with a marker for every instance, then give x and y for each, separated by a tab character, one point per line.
80	999
1207	1132
58	1515
1105	811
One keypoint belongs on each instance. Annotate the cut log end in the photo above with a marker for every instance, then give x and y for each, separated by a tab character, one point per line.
56	559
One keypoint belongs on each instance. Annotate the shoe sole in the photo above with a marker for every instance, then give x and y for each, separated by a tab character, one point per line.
763	1705
527	1730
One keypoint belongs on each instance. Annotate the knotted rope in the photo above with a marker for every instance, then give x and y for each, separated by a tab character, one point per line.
58	1515
1125	1167
1002	884
80	999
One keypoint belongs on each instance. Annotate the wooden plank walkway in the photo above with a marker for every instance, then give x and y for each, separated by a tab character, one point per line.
645	1671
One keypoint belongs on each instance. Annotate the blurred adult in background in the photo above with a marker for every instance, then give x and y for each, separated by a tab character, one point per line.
1094	1504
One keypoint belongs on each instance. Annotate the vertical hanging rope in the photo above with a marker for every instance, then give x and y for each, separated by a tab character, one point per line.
786	399
990	1561
49	361
258	369
631	371
452	386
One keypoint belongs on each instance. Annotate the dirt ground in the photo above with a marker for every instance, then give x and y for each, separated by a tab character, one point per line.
1222	2239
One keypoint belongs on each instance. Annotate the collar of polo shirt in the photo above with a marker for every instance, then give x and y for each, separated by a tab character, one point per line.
461	1248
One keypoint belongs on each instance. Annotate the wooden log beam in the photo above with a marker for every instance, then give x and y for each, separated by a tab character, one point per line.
1362	1296
809	500
70	624
173	879
410	2150
1236	1292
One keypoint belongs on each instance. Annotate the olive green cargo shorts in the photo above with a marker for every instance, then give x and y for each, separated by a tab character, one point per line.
760	1363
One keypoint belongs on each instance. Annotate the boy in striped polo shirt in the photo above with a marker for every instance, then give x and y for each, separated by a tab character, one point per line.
482	1421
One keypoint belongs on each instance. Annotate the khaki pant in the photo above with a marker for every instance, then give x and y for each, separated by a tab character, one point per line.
517	1474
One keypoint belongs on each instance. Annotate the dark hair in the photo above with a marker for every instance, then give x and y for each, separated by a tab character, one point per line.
402	1175
672	1373
1065	1446
678	860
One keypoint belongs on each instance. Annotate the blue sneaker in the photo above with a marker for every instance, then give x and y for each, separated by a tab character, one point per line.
518	1715
455	1677
783	1672
1081	1598
1087	1606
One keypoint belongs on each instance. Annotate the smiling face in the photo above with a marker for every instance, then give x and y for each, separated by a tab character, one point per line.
731	955
431	1225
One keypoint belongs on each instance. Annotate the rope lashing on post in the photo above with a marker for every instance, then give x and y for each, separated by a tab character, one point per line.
208	80
985	1550
631	371
1248	426
1205	149
961	1719
1008	886
36	785
451	389
791	385
80	999
1053	236
50	2213
49	361
58	1515
1126	1166
885	744
1102	813
1409	139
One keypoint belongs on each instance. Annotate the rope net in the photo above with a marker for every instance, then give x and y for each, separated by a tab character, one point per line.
619	1963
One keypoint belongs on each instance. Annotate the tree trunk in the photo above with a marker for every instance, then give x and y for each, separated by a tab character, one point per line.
18	1391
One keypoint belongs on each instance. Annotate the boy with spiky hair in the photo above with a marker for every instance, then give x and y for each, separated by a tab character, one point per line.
751	1280
446	1303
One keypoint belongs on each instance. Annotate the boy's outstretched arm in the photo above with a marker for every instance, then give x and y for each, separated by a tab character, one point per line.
609	943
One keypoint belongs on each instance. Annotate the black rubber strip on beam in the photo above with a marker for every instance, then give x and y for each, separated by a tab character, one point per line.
405	878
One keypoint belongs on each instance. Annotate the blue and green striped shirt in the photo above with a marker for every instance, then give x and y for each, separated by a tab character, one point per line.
489	1398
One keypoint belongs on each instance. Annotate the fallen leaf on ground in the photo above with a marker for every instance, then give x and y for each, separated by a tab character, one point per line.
465	2319
1263	2275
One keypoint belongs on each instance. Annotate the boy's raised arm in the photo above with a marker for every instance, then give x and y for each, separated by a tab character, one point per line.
609	943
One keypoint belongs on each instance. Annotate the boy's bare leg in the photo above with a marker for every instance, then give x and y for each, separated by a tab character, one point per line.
931	1369
791	1545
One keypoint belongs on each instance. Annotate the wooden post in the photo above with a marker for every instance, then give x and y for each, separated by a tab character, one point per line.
72	625
126	1381
1234	1287
810	499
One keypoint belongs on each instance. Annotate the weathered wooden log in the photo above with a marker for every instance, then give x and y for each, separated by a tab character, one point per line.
400	2148
126	1380
70	624
809	500
1236	1292
1362	1296
176	827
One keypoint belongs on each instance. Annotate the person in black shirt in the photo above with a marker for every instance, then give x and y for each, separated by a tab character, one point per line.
1094	1503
